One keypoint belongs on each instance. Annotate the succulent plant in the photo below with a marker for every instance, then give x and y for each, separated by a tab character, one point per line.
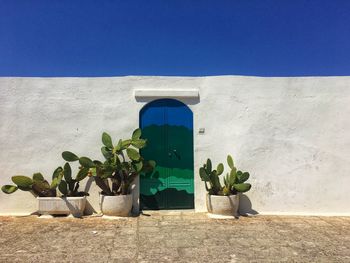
123	163
234	181
211	177
69	186
36	185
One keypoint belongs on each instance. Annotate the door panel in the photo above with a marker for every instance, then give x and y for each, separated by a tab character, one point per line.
168	126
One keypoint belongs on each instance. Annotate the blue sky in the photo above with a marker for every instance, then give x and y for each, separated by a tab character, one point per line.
174	37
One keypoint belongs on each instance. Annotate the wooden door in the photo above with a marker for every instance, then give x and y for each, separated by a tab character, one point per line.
167	124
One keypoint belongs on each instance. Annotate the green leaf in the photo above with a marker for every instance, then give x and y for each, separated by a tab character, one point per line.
97	163
9	189
67	172
214	179
208	167
25	188
22	181
106	174
118	147
93	171
69	156
54	183
233	176
82	174
106	152
63	187
139	144
86	162
58	173
242	177
126	144
133	154
56	177
242	187
203	174
136	134
220	168
126	166
138	166
227	181
230	161
38	177
42	185
226	191
107	140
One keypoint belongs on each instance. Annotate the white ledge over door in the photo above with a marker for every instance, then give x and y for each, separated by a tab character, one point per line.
166	93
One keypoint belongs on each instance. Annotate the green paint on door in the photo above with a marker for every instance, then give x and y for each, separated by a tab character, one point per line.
168	127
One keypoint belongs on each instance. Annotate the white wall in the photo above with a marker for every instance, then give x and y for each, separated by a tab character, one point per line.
291	134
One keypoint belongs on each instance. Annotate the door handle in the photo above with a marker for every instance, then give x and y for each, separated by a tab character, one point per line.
173	152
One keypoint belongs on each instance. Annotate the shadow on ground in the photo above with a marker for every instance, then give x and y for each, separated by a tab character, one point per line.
245	206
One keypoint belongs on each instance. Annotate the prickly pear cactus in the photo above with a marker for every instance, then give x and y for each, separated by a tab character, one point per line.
234	181
69	186
122	165
211	177
36	185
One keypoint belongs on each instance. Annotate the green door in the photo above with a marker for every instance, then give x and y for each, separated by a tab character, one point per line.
167	125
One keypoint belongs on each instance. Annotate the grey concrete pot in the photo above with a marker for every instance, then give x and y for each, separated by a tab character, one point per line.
223	205
118	205
62	205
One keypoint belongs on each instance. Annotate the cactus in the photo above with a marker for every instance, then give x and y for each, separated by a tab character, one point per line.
211	177
234	181
36	185
69	186
117	169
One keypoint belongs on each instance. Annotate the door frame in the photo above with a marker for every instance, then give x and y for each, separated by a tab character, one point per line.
138	192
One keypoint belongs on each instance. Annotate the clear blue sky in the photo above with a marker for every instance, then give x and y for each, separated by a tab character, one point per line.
174	37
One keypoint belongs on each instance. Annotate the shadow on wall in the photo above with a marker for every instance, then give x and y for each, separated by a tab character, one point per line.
245	206
89	210
170	198
187	101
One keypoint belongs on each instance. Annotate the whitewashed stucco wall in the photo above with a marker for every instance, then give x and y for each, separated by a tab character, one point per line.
291	134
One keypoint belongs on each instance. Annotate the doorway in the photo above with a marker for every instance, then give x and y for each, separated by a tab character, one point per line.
167	124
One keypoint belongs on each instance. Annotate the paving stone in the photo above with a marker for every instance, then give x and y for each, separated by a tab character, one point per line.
158	254
175	237
149	229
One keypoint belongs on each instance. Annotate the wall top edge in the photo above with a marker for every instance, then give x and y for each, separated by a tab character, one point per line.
173	77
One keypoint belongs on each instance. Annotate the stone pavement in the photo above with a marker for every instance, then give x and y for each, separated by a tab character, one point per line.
175	237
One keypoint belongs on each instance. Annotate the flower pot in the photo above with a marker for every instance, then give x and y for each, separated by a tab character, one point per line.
223	205
118	205
62	205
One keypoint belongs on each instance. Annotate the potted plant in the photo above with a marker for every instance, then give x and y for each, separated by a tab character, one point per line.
49	203
224	200
117	173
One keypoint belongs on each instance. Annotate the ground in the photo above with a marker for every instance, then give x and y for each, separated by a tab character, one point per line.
175	237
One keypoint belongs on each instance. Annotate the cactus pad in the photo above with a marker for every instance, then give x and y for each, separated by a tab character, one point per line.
22	180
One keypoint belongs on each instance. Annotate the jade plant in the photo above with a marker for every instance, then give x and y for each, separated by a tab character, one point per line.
234	181
122	164
36	185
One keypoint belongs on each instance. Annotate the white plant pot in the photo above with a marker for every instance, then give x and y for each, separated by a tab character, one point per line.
62	205
118	205
223	205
